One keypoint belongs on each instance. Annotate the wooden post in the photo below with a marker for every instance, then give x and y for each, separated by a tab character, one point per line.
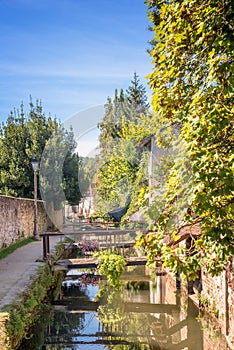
35	230
226	306
46	246
114	240
46	242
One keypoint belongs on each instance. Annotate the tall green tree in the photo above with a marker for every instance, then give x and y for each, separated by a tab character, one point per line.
59	170
128	105
23	137
111	124
71	185
120	159
87	172
136	95
15	167
40	128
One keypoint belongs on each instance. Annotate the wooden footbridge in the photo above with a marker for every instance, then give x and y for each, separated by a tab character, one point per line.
68	264
106	235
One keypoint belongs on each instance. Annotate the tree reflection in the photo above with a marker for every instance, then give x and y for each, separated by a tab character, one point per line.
119	325
64	326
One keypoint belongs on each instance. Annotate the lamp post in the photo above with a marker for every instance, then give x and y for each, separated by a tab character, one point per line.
35	166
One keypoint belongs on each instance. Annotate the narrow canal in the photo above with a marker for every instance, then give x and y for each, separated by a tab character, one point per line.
143	314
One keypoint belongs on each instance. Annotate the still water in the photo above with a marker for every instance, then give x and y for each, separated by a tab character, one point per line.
143	314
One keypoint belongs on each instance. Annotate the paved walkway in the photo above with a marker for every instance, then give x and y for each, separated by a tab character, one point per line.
17	269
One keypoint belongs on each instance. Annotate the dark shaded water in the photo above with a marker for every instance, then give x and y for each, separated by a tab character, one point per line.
143	314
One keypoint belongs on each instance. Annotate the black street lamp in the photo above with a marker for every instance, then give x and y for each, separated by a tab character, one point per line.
35	166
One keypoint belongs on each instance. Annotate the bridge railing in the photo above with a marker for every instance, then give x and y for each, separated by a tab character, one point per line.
106	234
105	238
77	225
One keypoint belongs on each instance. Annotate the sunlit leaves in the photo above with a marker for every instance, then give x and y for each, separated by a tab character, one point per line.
192	83
116	177
111	265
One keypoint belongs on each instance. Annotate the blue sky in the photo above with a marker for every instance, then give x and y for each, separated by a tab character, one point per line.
71	54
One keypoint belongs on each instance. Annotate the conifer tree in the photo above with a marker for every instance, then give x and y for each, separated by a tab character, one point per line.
136	95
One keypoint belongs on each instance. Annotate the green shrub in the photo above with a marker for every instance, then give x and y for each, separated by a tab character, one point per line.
111	265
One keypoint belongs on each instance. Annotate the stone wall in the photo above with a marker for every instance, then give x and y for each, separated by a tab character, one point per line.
218	295
17	219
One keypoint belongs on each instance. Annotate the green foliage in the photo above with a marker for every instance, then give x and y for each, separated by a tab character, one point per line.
59	169
24	137
70	178
87	172
192	86
139	187
119	160
136	98
128	105
111	265
112	311
111	124
116	177
15	167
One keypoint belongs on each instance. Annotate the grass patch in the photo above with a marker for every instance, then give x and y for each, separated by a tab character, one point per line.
6	251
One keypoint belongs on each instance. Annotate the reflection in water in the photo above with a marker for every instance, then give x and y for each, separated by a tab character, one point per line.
143	314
